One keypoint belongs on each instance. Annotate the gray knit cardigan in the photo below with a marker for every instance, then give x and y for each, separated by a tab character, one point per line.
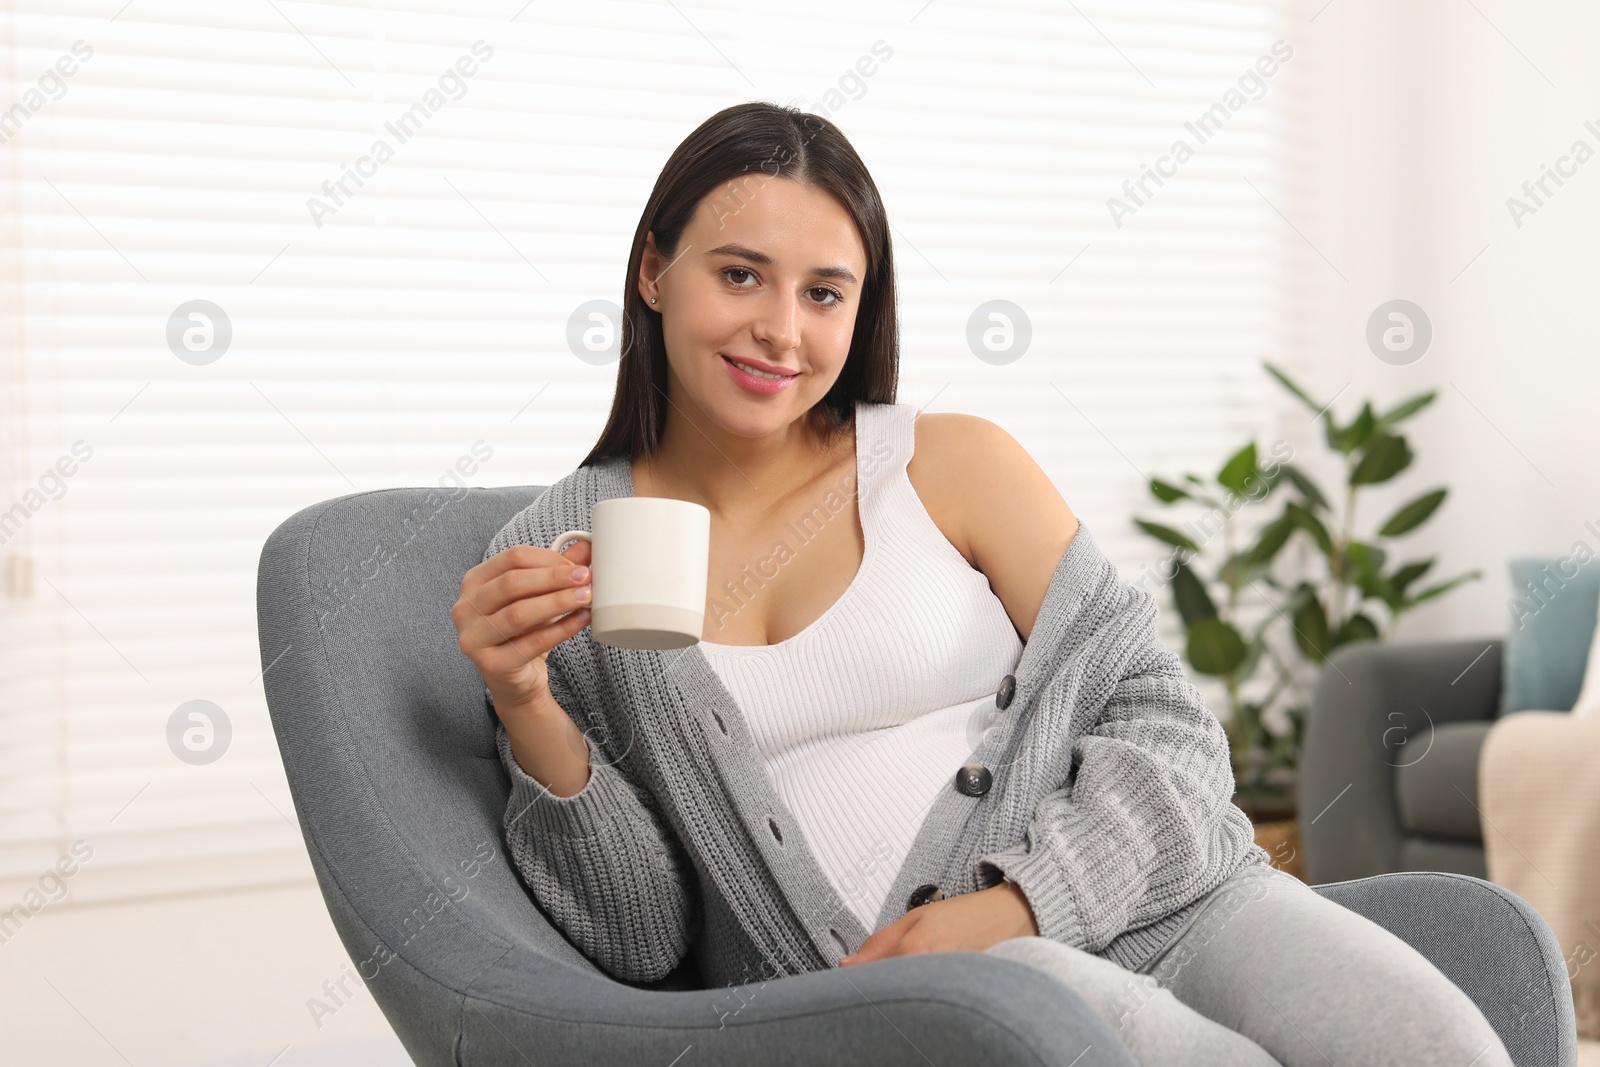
1110	806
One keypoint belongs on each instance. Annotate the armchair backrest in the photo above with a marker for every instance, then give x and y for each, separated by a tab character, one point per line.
388	742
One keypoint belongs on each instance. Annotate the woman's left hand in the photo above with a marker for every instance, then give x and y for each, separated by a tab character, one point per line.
970	922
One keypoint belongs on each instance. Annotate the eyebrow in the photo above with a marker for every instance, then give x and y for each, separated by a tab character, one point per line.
842	274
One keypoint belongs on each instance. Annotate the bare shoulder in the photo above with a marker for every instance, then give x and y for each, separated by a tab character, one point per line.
995	504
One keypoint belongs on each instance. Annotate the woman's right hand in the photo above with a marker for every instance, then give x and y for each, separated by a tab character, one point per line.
510	615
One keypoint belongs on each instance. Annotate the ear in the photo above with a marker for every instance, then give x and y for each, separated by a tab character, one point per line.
649	267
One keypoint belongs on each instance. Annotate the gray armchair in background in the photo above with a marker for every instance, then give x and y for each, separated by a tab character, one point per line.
388	746
1389	771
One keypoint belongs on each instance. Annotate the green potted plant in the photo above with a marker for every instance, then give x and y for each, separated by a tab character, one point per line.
1355	588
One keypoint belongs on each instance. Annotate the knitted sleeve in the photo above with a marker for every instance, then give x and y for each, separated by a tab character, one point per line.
603	866
1146	822
602	863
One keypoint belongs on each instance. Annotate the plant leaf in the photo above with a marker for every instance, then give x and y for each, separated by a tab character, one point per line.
1280	753
1283	380
1252	658
1300	595
1167	534
1357	628
1364	564
1366	567
1194	603
1215	647
1353	436
1367	559
1307	487
1385	457
1237	473
1403	411
1442	588
1413	514
1273	536
1311	630
1166	492
1379	587
1236	569
1409	573
1311	525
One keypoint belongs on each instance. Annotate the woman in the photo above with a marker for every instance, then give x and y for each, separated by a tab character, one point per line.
758	376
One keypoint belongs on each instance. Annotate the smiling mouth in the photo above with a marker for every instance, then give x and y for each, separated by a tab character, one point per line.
748	369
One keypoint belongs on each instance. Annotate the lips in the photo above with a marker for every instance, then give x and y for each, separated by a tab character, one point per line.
764	367
756	384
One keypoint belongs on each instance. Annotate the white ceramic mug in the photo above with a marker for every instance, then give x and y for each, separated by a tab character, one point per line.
648	570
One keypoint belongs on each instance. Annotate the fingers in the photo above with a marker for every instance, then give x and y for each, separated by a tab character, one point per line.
882	944
519	604
507	656
522	582
531	599
580	552
520	556
514	577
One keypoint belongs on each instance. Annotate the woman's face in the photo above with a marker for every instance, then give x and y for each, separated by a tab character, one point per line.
767	269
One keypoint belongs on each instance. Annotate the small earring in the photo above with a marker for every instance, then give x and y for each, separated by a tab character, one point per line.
652	300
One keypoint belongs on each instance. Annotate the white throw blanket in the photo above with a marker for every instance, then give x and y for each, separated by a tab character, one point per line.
1539	784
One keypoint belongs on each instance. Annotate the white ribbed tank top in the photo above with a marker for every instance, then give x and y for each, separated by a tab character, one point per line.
863	718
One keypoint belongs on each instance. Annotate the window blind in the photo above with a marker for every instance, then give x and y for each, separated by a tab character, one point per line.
224	302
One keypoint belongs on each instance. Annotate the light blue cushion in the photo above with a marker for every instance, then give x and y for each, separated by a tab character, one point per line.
1551	628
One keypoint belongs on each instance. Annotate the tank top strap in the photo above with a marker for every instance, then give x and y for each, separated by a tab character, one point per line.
885	439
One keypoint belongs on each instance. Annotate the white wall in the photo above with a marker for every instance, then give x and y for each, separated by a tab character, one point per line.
1424	118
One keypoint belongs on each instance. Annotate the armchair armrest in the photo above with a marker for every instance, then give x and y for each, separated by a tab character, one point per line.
937	1007
1368	700
1491	943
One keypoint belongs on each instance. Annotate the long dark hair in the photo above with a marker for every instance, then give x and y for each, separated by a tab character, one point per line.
783	142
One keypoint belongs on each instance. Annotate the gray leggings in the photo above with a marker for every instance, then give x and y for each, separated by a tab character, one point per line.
1271	973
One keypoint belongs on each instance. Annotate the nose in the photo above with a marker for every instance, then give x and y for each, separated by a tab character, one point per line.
777	324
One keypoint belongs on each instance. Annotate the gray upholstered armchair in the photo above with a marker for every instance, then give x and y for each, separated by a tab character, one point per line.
1369	802
1389	778
388	745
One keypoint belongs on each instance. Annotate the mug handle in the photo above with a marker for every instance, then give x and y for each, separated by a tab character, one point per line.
571	535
